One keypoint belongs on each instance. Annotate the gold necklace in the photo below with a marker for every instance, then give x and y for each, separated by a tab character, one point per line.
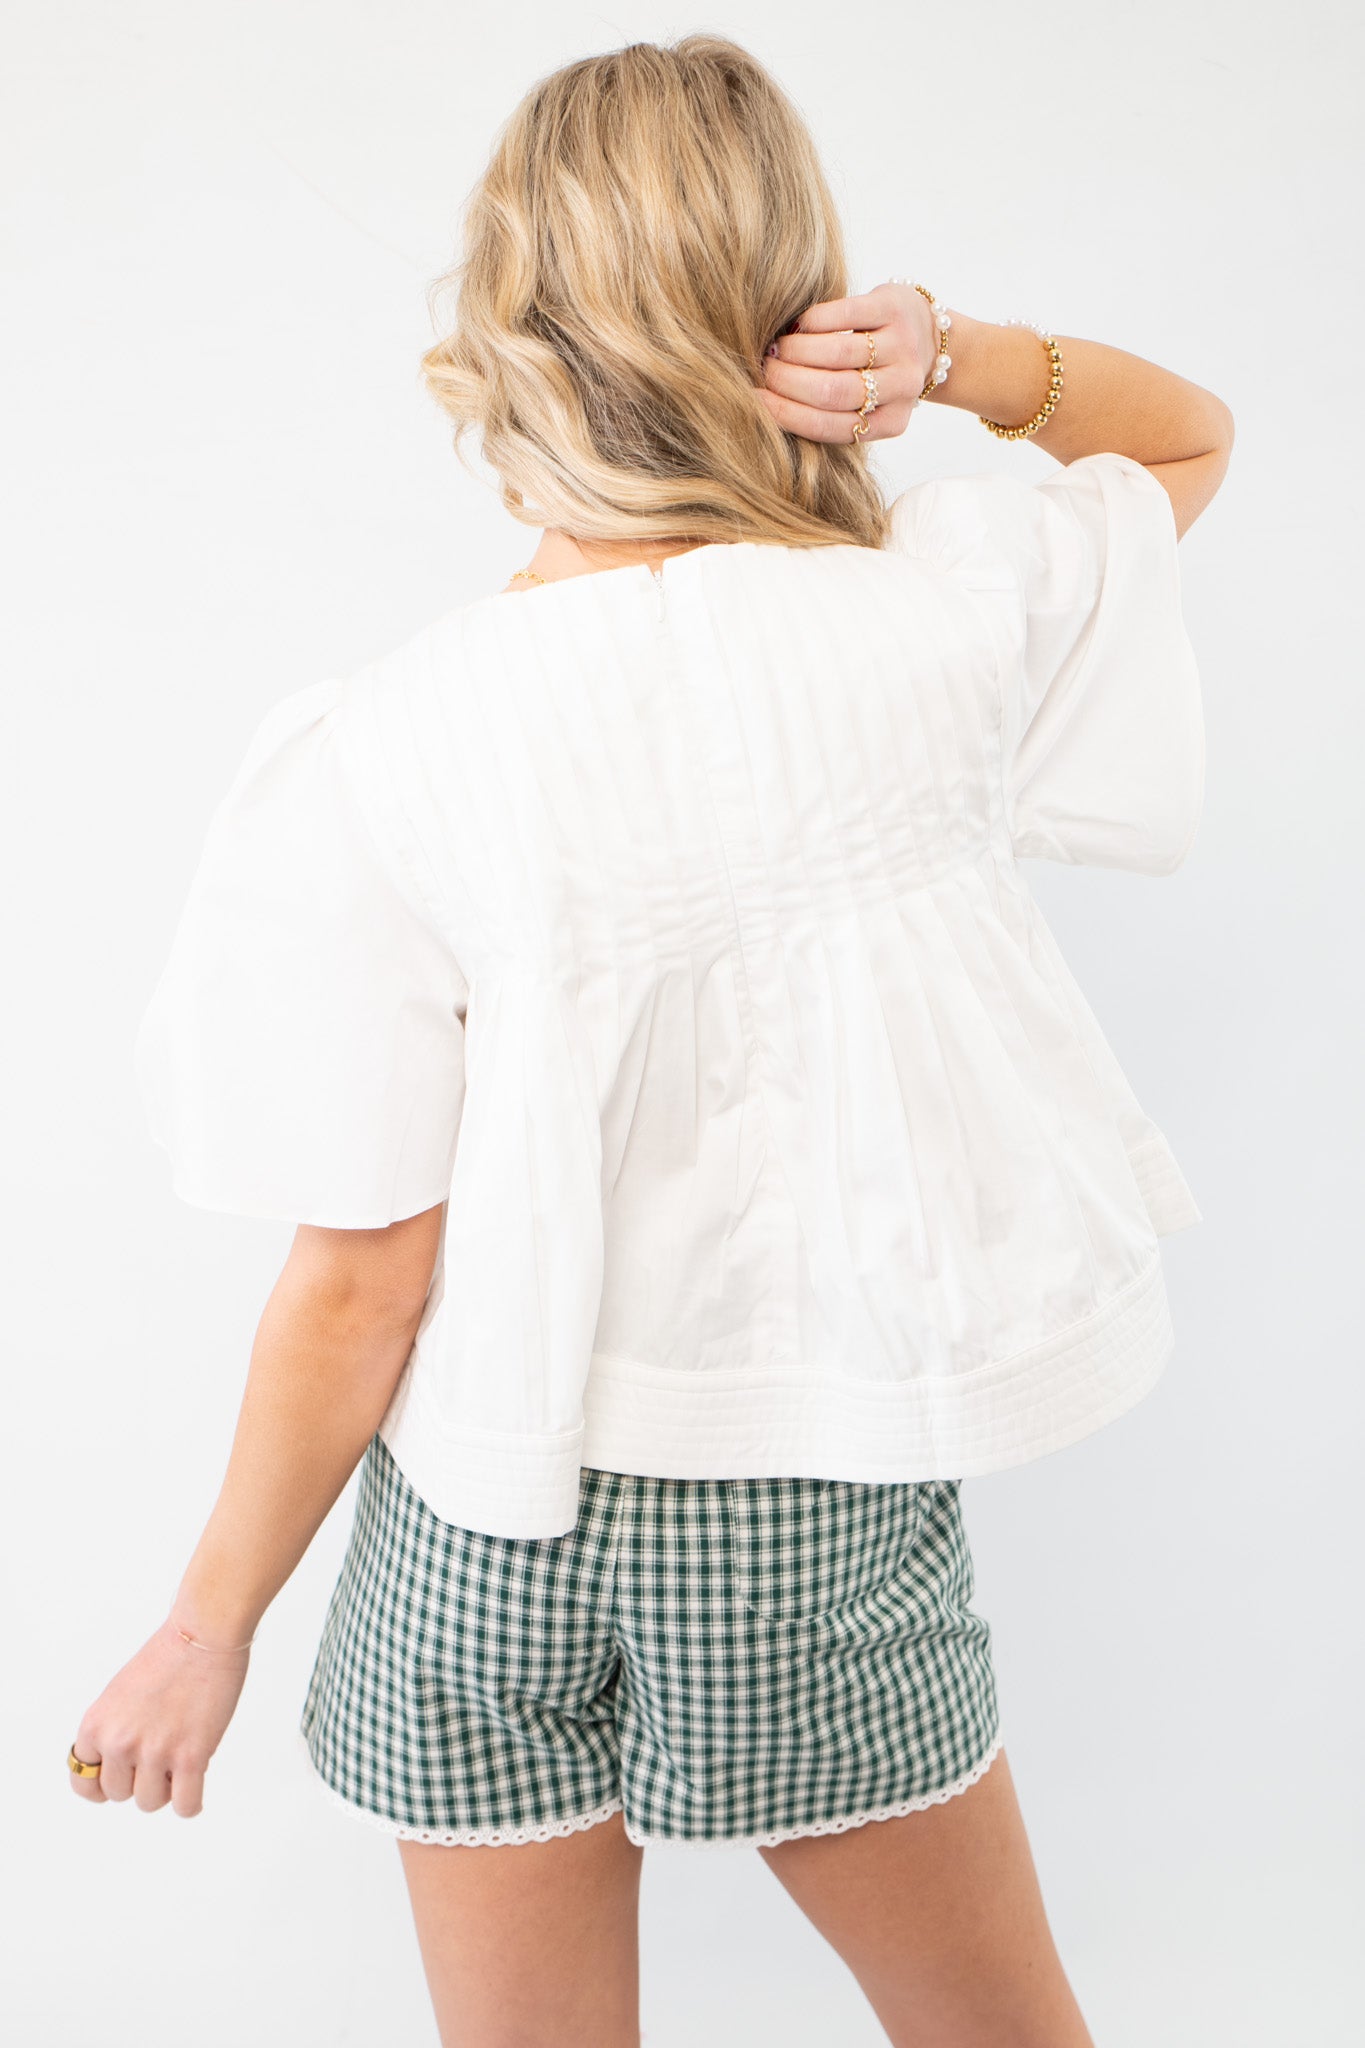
526	572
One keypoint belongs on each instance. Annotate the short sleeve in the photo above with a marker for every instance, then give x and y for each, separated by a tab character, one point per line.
1101	718
302	1055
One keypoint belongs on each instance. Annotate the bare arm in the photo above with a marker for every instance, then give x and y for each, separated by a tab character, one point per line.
332	1340
1111	401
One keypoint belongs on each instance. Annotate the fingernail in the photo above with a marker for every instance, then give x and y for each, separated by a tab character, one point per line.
772	348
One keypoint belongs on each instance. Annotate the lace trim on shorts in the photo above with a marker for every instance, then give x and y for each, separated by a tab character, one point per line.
548	1831
472	1838
829	1827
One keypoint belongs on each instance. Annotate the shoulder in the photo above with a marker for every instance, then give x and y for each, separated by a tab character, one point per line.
330	716
309	711
996	529
944	515
344	727
963	524
286	750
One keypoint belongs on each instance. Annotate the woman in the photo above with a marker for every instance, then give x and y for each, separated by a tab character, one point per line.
701	1157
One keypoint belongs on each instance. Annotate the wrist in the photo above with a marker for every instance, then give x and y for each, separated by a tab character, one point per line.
999	372
181	1637
214	1613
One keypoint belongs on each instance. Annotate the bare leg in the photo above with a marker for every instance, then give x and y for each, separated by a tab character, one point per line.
531	1944
940	1918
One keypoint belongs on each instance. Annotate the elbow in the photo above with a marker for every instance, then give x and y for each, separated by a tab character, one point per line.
1227	429
351	1316
1213	435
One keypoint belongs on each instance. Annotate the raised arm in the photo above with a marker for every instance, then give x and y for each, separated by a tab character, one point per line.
1111	401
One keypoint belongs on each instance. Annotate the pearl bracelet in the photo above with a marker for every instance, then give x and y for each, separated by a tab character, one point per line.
943	320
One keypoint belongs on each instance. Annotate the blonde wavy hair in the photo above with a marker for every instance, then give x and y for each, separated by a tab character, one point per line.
649	220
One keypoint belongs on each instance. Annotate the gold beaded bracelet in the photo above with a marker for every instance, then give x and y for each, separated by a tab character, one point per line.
1054	389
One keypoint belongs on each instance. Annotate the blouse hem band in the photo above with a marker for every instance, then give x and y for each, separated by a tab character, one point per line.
793	1421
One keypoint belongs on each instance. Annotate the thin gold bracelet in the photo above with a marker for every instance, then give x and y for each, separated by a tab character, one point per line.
210	1646
1054	389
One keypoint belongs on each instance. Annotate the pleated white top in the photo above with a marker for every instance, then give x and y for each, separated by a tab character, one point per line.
668	928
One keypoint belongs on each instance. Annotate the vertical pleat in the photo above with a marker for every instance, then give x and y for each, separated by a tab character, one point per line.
760	1072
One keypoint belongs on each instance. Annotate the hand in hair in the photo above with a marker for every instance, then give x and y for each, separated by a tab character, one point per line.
812	384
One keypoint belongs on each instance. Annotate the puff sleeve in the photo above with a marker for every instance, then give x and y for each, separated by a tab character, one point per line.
302	1055
1101	718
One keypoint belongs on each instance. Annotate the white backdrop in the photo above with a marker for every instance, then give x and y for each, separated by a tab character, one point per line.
222	481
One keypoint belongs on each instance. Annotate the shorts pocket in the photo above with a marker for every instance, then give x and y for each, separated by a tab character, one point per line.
810	1552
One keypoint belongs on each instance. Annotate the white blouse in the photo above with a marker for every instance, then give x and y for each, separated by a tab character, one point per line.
668	928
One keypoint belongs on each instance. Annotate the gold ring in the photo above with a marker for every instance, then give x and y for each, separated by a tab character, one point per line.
82	1770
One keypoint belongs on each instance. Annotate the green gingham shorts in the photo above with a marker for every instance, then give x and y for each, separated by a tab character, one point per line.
727	1660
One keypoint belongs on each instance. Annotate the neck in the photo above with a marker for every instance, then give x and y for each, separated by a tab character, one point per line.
559	554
